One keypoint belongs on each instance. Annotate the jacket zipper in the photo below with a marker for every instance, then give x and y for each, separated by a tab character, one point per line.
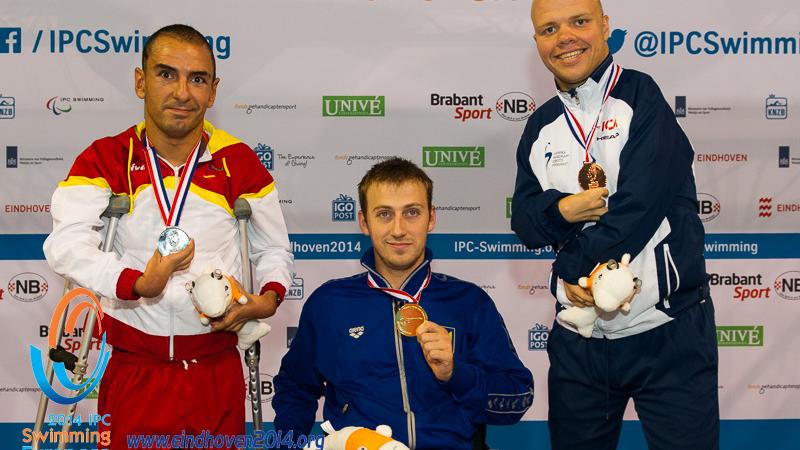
401	366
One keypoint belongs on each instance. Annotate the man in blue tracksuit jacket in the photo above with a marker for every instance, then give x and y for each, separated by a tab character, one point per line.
434	389
663	352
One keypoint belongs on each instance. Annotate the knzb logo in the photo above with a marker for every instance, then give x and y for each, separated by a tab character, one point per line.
343	209
515	106
84	385
7	107
787	285
708	207
10	40
27	287
266	155
776	107
295	291
537	337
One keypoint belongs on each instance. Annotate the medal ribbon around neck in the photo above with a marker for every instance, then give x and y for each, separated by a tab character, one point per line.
397	293
171	212
573	123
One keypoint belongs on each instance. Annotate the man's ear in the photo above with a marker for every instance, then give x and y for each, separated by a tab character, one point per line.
138	82
213	96
432	222
362	223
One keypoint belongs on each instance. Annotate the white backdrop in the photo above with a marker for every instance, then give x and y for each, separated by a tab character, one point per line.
731	67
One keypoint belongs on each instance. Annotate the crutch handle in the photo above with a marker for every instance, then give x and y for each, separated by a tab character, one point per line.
118	206
241	209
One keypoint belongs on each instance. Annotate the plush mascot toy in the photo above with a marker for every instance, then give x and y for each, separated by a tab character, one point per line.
212	296
359	438
613	285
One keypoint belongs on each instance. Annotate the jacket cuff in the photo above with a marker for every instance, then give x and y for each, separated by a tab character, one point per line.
125	284
554	214
274	286
463	379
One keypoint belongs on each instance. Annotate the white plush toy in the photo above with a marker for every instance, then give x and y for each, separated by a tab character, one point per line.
612	285
360	438
213	294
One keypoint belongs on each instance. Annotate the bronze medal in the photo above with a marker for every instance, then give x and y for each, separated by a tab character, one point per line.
591	176
408	318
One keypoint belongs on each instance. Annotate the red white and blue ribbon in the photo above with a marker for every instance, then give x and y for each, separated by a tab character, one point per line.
575	125
397	293
171	211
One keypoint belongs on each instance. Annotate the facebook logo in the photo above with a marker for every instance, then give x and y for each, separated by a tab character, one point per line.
10	40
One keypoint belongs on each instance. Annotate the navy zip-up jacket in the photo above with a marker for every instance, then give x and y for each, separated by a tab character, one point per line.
347	349
652	206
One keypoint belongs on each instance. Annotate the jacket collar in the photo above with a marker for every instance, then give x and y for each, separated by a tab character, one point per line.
592	89
414	280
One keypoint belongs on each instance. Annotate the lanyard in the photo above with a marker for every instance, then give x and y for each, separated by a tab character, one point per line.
171	211
575	126
397	293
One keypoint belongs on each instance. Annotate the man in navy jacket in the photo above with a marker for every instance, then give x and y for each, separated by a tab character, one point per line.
356	343
610	136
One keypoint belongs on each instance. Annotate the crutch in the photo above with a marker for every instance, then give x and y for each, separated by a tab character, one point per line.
118	206
242	211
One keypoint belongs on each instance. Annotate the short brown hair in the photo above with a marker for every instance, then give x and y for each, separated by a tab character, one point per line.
395	171
183	33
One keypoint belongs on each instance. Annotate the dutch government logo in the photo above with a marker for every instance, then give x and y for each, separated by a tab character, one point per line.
708	207
776	107
87	301
453	157
265	154
7	107
537	337
616	40
296	290
10	40
787	285
27	287
515	106
12	158
680	106
343	209
353	106
784	156
740	336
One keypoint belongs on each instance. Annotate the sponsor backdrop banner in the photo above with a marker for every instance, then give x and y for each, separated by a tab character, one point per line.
323	90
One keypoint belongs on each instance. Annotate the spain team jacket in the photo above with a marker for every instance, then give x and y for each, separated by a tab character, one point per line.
652	207
166	327
348	349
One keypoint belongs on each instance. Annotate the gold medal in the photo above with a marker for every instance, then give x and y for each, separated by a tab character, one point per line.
408	318
591	176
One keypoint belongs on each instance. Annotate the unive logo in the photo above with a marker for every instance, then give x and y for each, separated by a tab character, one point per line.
616	40
740	336
27	287
537	337
295	291
708	207
266	155
59	105
776	107
87	301
7	107
787	285
343	209
10	40
353	106
453	157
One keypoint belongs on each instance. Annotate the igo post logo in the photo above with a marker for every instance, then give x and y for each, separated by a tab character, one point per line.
86	300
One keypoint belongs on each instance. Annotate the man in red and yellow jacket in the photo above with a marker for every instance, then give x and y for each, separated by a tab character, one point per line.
169	373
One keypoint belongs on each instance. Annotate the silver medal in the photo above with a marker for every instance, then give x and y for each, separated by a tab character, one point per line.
172	240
